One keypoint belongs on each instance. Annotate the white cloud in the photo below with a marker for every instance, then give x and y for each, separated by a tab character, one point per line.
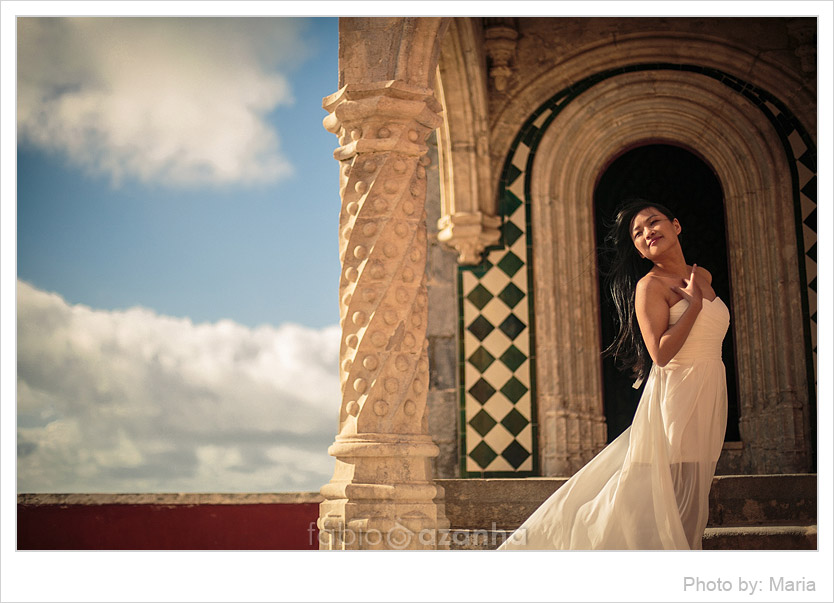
162	100
131	401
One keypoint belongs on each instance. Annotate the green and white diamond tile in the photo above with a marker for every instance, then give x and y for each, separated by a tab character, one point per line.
497	380
806	182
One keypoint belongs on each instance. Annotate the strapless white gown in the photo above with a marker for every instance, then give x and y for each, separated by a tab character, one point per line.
649	488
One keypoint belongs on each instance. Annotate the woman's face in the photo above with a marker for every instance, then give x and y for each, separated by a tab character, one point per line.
653	233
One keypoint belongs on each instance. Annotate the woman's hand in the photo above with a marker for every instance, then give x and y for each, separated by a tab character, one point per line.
692	291
651	302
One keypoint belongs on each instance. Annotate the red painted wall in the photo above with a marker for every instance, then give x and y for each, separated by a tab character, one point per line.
290	526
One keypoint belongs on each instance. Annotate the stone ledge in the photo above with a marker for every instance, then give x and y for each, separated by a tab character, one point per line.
740	538
182	498
762	538
734	500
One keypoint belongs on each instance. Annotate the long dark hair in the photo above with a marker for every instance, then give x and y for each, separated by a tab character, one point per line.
625	269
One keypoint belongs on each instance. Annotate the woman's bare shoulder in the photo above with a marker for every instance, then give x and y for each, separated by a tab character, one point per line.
652	286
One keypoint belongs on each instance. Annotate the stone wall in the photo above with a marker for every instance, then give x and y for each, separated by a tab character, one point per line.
678	98
441	270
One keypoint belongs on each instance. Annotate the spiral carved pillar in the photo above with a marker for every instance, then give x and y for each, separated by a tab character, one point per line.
381	494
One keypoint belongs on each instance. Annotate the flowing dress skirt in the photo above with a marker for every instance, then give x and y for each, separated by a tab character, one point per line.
649	488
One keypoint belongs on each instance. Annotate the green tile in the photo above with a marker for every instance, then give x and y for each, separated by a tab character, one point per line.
512	173
515	422
481	359
511	295
514	389
810	191
482	454
513	358
480	270
530	135
480	328
482	422
512	326
509	203
510	263
479	296
482	391
511	233
515	454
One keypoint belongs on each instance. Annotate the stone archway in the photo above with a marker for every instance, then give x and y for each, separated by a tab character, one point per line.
737	140
646	48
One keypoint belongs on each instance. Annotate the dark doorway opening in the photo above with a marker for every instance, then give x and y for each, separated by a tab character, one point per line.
684	183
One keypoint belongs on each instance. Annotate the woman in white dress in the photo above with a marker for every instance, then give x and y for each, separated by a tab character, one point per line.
649	488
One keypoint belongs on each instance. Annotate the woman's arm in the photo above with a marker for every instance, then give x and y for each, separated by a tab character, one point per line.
664	341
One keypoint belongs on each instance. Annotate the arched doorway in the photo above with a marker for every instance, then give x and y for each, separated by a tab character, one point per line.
685	184
572	140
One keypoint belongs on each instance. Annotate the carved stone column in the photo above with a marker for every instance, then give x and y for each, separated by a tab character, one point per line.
382	495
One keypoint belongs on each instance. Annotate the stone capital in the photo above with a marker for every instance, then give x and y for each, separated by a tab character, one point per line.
469	233
381	117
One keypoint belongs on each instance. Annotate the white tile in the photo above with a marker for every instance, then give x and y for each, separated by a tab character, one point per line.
772	108
522	342
496	342
810	270
470	312
520	280
527	465
797	145
495	311
471	407
522	152
500	464
523	406
807	205
468	282
522	311
495	255
542	118
525	437
520	246
498	438
498	407
519	215
470	376
496	279
804	175
498	374
473	438
809	237
470	342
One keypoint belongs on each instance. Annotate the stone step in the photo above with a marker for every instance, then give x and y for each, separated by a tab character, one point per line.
742	538
761	538
735	500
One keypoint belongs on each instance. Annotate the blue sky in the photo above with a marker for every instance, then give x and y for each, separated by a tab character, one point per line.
177	254
256	253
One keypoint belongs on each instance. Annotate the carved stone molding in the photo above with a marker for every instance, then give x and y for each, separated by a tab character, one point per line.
382	494
469	222
744	150
689	48
500	41
803	34
469	234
